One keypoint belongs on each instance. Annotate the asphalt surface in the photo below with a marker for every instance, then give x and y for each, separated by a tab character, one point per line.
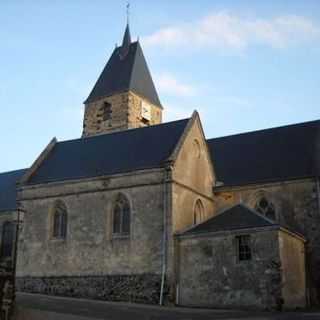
118	310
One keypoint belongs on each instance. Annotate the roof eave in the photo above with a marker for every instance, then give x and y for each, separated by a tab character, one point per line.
225	187
221	232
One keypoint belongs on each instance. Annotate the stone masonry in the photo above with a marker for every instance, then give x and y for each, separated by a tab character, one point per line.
211	276
297	207
125	114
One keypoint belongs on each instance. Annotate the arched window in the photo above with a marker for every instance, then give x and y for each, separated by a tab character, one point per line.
8	231
60	217
121	216
266	208
198	212
196	148
106	111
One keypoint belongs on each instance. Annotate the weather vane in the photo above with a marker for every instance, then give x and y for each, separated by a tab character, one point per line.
128	12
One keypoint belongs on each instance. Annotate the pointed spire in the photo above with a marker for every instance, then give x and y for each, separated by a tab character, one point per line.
126	38
124	50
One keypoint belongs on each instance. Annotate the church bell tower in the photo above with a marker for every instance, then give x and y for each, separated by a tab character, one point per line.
124	95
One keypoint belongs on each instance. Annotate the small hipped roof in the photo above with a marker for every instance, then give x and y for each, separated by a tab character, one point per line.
234	218
126	70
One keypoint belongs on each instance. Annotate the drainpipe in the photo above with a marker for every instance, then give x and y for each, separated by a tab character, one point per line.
164	236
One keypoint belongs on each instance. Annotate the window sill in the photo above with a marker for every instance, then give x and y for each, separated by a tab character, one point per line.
120	236
244	261
58	239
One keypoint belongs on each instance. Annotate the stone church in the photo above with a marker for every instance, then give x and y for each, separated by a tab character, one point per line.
144	211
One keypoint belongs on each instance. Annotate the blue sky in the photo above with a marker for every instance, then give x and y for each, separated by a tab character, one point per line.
244	65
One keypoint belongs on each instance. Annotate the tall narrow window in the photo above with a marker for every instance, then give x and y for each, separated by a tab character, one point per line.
8	231
106	111
60	217
266	208
244	247
121	216
198	212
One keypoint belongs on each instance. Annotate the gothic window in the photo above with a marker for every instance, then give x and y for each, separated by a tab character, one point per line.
7	239
266	208
244	247
121	216
196	148
106	111
60	217
198	212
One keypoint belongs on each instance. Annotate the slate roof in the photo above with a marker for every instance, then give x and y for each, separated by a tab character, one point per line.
126	73
234	218
8	193
126	42
112	153
275	154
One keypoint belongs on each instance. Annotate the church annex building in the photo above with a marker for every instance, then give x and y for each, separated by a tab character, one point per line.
144	211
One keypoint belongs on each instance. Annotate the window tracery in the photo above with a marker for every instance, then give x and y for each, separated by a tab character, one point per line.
266	208
121	216
60	217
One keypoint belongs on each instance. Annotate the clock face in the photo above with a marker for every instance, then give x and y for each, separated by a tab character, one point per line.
145	111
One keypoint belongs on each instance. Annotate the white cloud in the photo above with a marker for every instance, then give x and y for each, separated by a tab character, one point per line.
223	30
168	84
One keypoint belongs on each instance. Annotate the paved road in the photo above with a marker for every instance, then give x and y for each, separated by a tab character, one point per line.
91	309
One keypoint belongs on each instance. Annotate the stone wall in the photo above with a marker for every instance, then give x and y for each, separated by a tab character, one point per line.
292	255
126	114
134	119
211	276
193	179
7	216
90	248
144	288
297	207
7	269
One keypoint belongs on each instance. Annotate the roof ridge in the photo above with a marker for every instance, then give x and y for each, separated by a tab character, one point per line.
224	211
133	65
218	213
13	171
124	131
266	129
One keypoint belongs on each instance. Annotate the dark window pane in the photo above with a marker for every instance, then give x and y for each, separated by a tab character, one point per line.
63	230
56	225
263	203
126	219
266	208
121	215
117	219
7	239
60	220
106	111
244	247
